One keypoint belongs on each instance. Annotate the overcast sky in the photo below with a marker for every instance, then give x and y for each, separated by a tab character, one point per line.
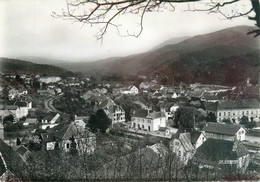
28	30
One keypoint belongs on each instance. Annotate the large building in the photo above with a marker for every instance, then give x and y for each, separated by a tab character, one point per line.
50	79
235	110
148	120
115	112
221	153
230	132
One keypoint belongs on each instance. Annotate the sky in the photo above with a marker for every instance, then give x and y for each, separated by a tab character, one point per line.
29	30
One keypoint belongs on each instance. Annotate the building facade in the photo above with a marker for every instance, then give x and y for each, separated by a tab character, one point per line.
231	132
184	145
235	110
148	120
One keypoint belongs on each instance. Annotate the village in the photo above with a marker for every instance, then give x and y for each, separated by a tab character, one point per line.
190	128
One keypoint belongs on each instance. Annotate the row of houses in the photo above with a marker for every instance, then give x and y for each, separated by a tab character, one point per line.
215	146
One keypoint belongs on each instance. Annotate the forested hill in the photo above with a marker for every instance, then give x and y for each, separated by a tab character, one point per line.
227	56
24	67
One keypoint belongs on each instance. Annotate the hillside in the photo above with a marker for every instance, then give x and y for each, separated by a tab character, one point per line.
24	67
205	58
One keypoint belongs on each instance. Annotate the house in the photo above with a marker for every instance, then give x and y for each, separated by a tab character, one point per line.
73	81
50	120
185	144
20	109
80	121
220	153
175	95
133	90
88	95
174	108
13	93
225	131
85	140
49	140
23	152
114	112
235	110
206	97
50	79
148	120
10	163
46	92
4	113
30	121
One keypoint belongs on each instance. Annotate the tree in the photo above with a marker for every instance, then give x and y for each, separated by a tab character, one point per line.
184	117
211	117
99	121
8	118
106	13
227	121
244	120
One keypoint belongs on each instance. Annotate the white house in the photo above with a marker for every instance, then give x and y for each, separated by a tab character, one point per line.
50	79
85	140
185	144
148	120
114	112
174	108
13	93
20	109
79	121
50	120
225	131
235	110
130	90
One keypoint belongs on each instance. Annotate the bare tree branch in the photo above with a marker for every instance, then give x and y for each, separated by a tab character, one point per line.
105	13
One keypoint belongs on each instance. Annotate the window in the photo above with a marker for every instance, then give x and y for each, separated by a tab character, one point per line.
228	113
243	112
67	145
224	113
219	113
247	112
143	126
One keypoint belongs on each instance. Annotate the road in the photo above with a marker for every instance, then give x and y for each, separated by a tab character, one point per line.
49	104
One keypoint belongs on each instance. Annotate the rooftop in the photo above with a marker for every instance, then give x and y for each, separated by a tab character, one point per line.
214	150
238	104
226	129
21	104
146	114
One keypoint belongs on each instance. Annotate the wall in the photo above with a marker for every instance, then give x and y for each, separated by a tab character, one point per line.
237	114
